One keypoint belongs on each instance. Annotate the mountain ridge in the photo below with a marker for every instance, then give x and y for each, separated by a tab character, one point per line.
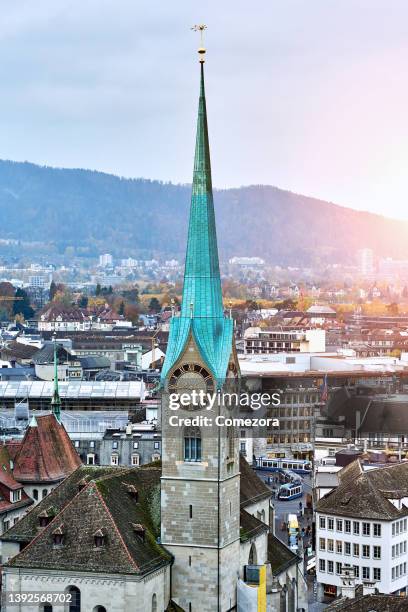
87	210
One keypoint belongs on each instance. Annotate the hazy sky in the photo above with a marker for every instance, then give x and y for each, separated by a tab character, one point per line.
308	95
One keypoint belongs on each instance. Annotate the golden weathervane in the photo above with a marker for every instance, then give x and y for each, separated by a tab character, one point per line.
200	28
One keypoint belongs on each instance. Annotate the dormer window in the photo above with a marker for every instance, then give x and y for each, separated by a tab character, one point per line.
45	518
82	483
99	538
132	491
58	537
15	496
139	530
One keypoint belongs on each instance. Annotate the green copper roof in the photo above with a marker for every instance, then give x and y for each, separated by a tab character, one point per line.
56	400
202	313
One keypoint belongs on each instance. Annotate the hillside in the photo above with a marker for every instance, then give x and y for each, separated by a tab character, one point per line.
93	212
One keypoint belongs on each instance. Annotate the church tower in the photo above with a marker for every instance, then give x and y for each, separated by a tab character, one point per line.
200	503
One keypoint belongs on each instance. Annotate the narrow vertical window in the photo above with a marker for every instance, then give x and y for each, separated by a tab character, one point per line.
191	511
192	444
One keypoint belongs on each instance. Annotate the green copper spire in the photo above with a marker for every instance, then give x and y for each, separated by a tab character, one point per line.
202	296
202	313
56	400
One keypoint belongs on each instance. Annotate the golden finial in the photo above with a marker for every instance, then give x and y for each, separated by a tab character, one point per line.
201	51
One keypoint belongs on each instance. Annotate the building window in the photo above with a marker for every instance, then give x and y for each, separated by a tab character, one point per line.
339	525
347	548
347	526
366	529
90	459
339	547
45	493
157	445
377	552
322	565
356	550
92	444
99	538
35	494
356	571
330	545
192	444
338	568
356	527
330	567
114	460
16	495
154	602
135	444
76	443
322	544
75	605
377	573
58	537
115	444
330	524
135	459
377	530
366	573
322	522
366	551
6	525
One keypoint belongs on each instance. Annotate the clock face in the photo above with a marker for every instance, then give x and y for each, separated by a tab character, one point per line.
191	377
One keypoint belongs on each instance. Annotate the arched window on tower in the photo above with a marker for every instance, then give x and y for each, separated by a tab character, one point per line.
192	444
154	603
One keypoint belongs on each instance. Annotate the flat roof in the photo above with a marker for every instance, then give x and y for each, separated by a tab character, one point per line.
72	389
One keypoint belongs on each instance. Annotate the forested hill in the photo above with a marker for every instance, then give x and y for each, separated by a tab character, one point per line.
95	212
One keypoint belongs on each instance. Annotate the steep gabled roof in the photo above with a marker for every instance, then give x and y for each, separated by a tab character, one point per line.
279	555
46	453
367	494
250	526
252	488
26	528
104	505
9	484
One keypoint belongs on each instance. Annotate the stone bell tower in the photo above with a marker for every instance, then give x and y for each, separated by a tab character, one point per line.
200	503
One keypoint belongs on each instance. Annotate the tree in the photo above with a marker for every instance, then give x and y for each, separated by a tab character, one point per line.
6	291
392	309
154	305
53	290
131	295
22	306
83	301
98	289
121	309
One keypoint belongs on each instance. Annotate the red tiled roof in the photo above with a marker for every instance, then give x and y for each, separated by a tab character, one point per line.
6	476
13	446
46	453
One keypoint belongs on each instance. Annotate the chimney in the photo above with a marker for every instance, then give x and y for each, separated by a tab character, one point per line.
348	581
369	587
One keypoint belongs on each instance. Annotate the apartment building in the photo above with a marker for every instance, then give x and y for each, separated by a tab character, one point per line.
363	523
276	340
